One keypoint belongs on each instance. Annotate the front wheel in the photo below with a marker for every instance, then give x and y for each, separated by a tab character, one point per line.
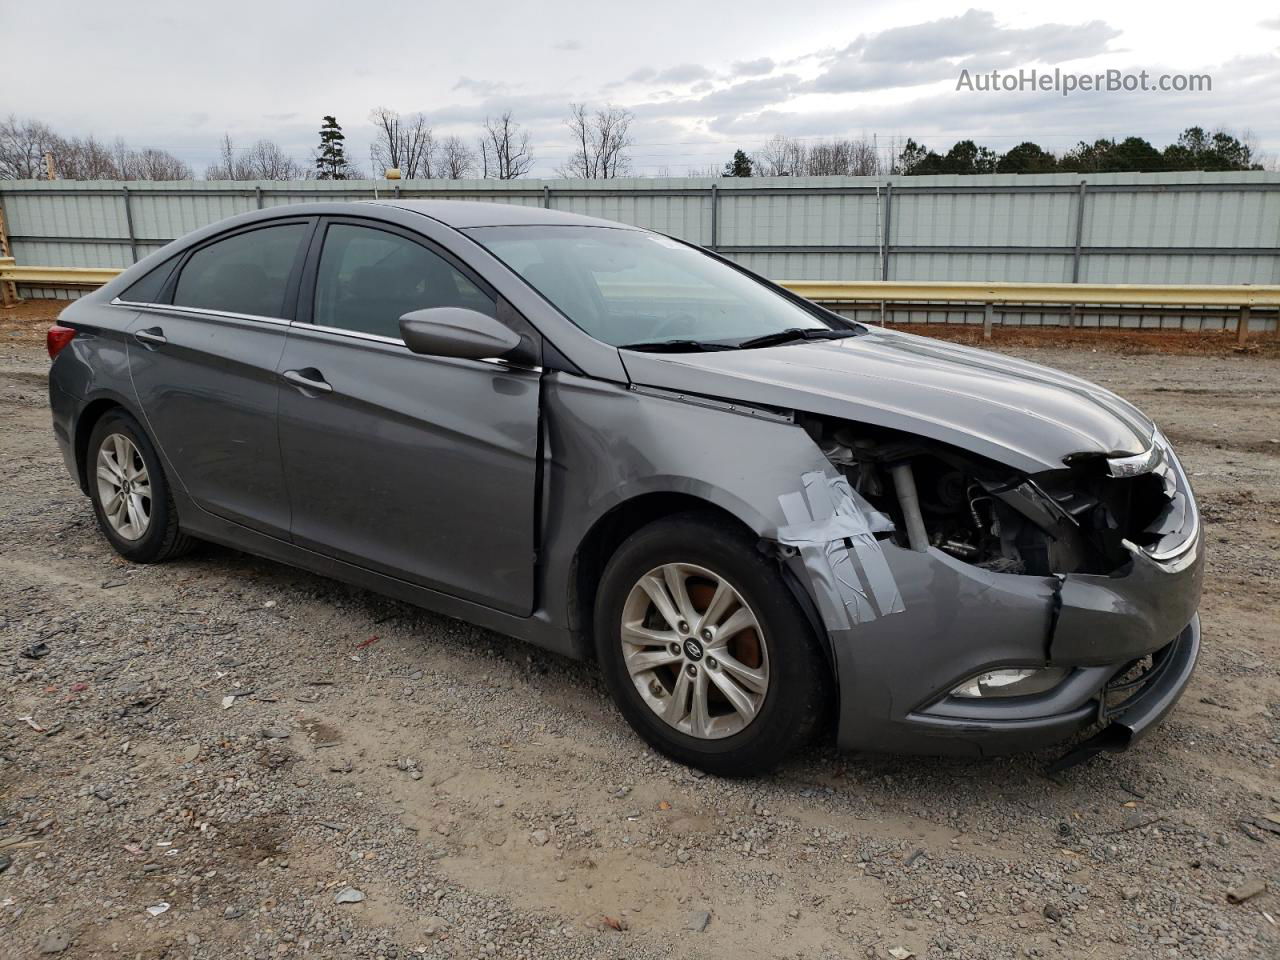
704	649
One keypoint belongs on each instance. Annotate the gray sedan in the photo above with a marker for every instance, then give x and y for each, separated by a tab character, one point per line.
762	520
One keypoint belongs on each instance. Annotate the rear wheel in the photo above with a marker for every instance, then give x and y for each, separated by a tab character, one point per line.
704	649
130	493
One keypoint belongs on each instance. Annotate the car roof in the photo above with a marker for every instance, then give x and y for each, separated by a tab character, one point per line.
462	214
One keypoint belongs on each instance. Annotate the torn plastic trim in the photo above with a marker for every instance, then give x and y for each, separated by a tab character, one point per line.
833	528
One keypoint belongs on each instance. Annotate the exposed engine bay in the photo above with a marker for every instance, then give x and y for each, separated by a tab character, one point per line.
1074	520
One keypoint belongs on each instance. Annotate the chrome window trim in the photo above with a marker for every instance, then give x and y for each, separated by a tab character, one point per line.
397	342
198	311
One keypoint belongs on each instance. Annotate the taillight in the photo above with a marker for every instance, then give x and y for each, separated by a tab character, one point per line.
57	338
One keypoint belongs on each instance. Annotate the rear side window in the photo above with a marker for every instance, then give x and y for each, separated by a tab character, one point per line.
367	279
147	289
246	273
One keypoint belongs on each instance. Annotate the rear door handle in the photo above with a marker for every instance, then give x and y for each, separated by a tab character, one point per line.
308	381
153	337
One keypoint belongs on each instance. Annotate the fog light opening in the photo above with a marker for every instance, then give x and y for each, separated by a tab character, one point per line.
1011	682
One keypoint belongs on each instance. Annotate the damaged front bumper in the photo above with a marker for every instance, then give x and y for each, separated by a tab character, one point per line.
896	673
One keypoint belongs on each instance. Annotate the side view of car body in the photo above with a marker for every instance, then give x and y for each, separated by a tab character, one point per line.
759	517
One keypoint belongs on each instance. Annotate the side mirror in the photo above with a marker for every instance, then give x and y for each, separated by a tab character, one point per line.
456	332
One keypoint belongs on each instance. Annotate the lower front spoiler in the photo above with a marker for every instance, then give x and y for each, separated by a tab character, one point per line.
1124	724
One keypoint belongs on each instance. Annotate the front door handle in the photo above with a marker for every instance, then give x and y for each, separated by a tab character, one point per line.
308	381
151	338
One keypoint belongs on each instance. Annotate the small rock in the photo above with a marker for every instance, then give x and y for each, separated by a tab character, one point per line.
232	913
55	941
275	733
539	838
1131	893
191	753
158	908
5	862
349	895
1247	890
900	953
698	921
433	926
1052	912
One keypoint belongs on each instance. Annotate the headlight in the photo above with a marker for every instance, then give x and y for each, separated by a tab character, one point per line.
1013	682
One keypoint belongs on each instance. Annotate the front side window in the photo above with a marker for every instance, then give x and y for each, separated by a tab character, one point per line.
368	278
245	273
628	287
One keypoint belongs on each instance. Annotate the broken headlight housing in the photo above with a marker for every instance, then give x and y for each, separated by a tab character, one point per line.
1011	682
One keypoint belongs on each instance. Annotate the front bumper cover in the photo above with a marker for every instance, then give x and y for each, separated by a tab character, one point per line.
895	673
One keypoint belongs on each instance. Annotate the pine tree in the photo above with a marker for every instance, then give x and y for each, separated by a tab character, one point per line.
739	166
331	159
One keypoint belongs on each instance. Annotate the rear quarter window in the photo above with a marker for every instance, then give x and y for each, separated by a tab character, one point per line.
149	287
245	273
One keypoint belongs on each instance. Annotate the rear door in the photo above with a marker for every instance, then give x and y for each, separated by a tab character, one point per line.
204	359
419	467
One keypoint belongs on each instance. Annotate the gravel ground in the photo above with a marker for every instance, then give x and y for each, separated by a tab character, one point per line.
224	757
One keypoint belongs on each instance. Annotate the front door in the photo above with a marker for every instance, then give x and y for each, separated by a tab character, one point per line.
422	468
204	369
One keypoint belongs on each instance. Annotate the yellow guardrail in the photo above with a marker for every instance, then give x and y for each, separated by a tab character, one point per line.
1243	296
56	276
1080	294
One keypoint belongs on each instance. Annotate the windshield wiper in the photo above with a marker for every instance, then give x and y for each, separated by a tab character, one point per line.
676	346
792	334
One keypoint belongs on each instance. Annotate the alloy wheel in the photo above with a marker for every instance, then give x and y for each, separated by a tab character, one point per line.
695	650
124	487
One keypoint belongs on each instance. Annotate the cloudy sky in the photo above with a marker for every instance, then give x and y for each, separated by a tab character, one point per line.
701	79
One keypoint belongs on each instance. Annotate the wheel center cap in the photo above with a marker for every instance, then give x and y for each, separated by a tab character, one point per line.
692	649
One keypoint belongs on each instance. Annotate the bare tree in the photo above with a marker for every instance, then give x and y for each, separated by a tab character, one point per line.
850	158
601	141
264	160
456	160
23	144
152	164
404	143
781	157
786	157
505	153
88	159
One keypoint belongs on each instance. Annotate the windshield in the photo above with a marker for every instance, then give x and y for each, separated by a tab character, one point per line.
630	288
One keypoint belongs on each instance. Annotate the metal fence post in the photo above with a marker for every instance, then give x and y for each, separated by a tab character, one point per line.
715	216
888	222
1242	326
8	289
1075	254
257	193
988	321
546	197
128	222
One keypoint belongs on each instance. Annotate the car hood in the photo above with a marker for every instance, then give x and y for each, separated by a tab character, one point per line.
1019	413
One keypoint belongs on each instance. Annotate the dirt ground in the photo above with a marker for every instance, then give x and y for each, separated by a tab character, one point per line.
216	754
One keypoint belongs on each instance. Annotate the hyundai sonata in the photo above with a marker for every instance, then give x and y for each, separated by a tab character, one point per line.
761	519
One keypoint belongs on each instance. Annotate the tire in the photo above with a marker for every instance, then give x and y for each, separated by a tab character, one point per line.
159	538
703	552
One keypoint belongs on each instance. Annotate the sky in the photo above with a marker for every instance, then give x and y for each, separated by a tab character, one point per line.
702	79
